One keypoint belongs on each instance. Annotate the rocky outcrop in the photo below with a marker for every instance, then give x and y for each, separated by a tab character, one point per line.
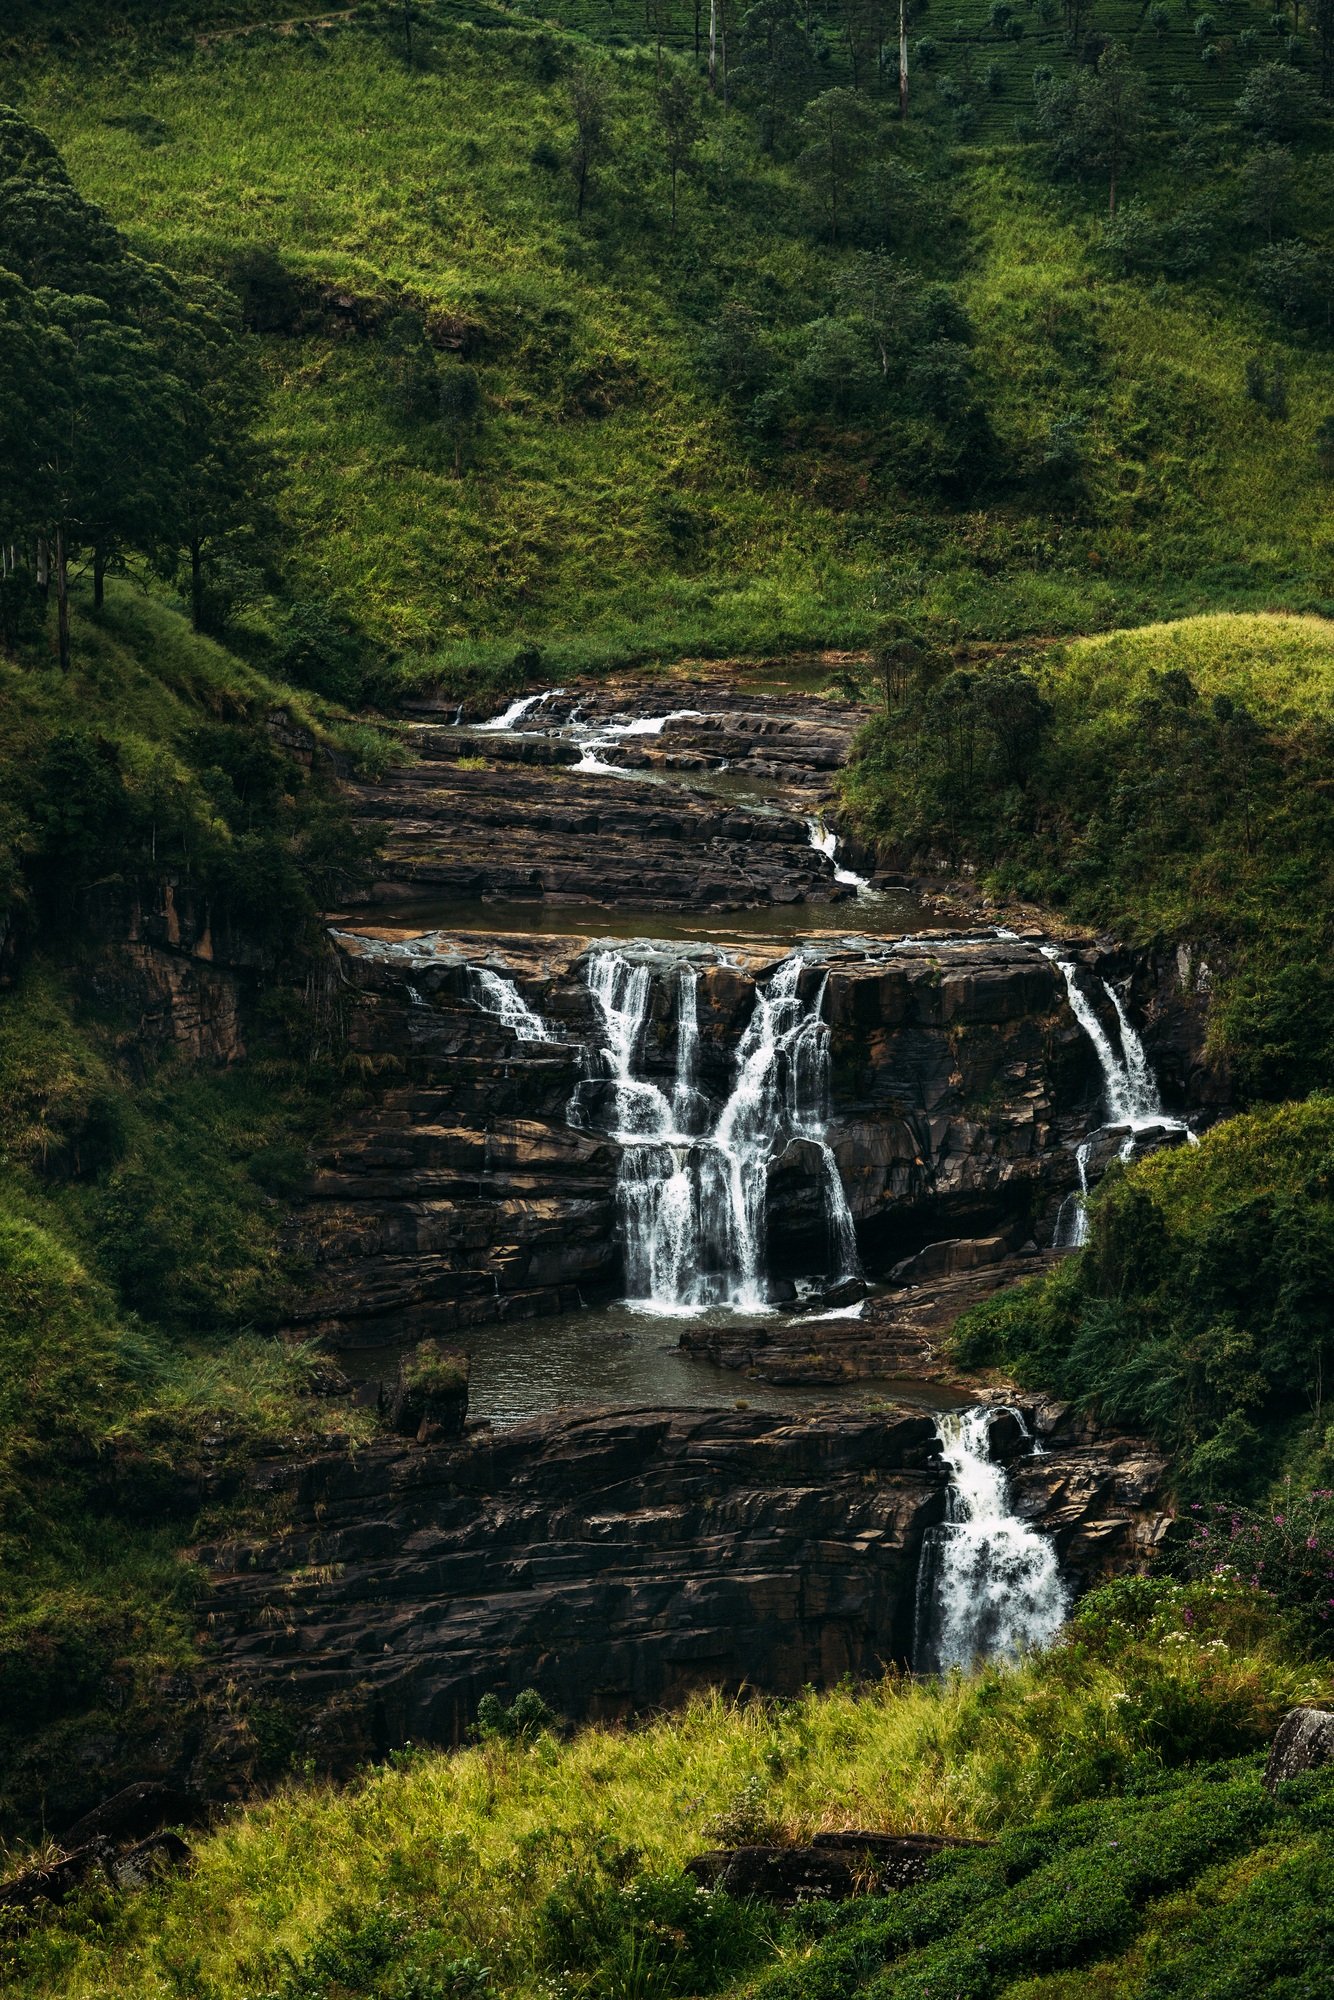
832	1868
462	1193
613	1561
617	1560
1303	1741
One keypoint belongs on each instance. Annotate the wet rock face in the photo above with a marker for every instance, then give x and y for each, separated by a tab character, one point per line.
618	1560
614	1561
462	1192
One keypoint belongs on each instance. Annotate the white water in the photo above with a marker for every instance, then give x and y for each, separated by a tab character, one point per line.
594	737
989	1585
825	841
509	717
501	997
1130	1093
693	1178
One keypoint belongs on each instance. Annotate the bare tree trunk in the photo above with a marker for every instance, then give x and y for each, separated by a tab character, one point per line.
713	47
43	565
903	58
62	599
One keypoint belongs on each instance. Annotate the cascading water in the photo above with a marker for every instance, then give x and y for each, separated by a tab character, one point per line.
1130	1093
595	737
501	997
509	717
693	1179
825	841
988	1584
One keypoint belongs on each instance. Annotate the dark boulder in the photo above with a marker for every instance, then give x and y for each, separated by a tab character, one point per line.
429	1400
1303	1741
833	1867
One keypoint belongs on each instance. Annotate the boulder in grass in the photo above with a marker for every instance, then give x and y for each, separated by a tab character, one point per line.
1303	1741
429	1400
834	1867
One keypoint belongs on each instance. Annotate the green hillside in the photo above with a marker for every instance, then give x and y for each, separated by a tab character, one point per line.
681	444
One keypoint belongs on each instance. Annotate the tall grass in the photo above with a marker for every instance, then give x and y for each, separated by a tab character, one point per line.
472	1843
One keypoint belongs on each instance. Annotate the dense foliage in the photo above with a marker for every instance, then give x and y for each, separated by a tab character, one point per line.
633	361
1199	1311
1168	782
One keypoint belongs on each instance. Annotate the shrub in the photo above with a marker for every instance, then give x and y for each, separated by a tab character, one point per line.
1285	1551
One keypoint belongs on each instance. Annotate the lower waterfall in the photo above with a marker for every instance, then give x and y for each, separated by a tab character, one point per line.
693	1181
988	1584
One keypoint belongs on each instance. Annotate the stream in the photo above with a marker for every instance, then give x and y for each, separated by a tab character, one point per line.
680	1059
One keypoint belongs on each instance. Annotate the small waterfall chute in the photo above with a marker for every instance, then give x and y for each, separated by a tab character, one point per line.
509	718
499	996
825	841
989	1585
1131	1097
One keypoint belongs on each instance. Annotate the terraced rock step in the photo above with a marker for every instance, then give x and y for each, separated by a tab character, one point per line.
615	1562
536	823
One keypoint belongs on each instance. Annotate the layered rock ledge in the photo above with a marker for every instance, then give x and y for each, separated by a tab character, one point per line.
616	1561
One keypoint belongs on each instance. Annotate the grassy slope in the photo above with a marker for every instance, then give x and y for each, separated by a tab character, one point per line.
443	1867
1158	823
382	180
139	1261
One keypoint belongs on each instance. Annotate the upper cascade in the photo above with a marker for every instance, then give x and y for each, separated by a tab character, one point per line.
693	1180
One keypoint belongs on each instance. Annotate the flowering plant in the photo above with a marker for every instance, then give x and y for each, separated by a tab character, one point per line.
1285	1552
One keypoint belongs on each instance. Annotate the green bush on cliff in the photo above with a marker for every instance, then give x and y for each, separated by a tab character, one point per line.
1167	783
1199	1310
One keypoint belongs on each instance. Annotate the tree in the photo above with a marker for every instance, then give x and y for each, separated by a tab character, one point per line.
834	126
115	448
678	115
776	61
1277	101
1094	120
590	101
1266	180
1296	281
226	492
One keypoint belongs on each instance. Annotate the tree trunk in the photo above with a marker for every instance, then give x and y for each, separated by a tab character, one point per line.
903	58
43	566
99	578
62	599
197	585
713	47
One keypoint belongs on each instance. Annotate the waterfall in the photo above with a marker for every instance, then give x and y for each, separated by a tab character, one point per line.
502	998
825	841
1130	1093
988	1584
693	1181
509	717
